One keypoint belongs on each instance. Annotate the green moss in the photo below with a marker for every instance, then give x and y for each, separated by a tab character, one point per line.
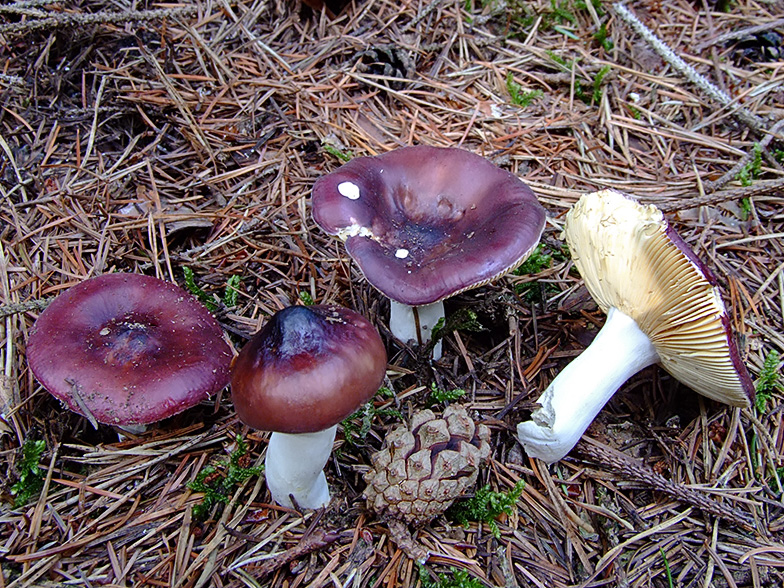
597	83
344	156
437	395
485	506
540	259
31	475
357	426
219	482
745	208
517	96
603	38
230	294
306	298
463	319
768	382
455	578
752	169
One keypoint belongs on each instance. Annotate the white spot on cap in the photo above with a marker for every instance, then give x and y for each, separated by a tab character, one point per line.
354	230
401	253
349	190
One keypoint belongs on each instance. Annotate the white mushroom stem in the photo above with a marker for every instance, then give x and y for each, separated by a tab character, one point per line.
294	466
403	321
579	392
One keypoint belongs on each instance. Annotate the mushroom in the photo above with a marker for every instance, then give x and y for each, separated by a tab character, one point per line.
128	349
662	306
306	370
424	223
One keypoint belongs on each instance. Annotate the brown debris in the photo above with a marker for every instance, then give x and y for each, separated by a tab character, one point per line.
192	137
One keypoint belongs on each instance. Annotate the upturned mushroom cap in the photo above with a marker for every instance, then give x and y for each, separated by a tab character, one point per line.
424	223
307	369
631	259
128	349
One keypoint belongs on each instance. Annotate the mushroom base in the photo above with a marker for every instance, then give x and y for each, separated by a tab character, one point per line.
403	321
580	391
294	467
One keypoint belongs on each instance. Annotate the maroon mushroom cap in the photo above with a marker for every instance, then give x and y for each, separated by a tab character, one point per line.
128	349
307	369
424	223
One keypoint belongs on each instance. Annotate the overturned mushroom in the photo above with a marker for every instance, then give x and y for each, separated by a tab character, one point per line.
128	349
662	306
425	223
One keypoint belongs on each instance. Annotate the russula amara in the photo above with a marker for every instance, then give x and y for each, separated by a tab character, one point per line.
306	370
662	306
424	223
128	349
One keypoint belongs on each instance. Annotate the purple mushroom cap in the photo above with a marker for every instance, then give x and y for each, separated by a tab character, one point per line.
424	223
307	369
128	349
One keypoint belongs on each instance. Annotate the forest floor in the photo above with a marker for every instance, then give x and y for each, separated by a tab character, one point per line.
159	139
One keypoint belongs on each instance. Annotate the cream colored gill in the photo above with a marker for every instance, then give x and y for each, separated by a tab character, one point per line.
627	261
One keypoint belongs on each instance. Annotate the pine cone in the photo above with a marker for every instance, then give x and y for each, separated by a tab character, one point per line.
423	467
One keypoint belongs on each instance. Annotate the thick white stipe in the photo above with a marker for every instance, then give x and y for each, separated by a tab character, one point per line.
294	465
580	391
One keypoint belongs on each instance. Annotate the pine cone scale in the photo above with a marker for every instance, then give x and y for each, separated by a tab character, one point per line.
424	467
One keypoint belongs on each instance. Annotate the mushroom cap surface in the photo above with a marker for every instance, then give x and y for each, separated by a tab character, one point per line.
424	223
631	259
307	369
128	349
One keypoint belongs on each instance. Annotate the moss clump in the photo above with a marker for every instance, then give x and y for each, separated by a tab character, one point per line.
31	475
218	483
486	506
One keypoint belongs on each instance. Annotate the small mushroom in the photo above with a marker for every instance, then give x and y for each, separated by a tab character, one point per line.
425	223
662	306
306	370
128	349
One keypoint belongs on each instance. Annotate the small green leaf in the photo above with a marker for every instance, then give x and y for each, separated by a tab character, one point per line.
666	567
602	38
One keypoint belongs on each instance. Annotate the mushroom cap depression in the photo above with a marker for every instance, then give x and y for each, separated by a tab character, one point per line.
631	259
307	369
424	223
128	349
